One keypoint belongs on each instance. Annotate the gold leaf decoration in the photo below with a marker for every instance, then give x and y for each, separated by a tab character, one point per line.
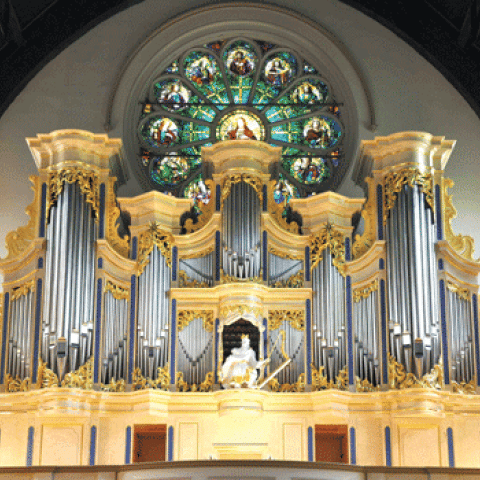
46	378
81	378
252	180
331	238
119	293
224	278
465	388
206	210
364	292
187	316
395	181
294	281
463	293
162	382
296	318
184	281
363	242
87	181
23	289
320	381
114	386
17	241
462	244
365	386
205	386
154	236
298	386
119	244
16	384
276	210
240	311
399	379
281	254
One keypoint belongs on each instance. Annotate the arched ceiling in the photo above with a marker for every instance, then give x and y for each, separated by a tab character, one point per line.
446	33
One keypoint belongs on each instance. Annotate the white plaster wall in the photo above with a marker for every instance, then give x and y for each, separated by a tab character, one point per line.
72	90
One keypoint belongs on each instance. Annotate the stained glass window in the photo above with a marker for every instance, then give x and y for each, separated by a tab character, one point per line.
241	89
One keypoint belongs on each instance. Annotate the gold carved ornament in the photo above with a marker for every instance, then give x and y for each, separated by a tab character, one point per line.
224	278
296	319
298	386
240	311
184	281
206	211
17	241
120	244
46	378
463	293
465	388
287	255
81	378
162	382
399	379
87	181
23	290
205	386
321	382
294	281
364	292
252	180
16	384
462	244
276	210
117	292
331	238
364	386
154	236
114	386
363	242
186	316
395	181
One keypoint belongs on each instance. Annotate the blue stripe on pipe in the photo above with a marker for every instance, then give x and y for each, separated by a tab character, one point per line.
383	313
308	326
40	263
133	252
347	250
93	441
6	304
36	338
217	255
443	316
31	436
43	209
310	444
170	444
451	453
98	322
438	213
307	263
173	339
218	196
217	338
265	342
353	447
348	285
265	256
128	445
265	203
174	263
388	447
131	341
101	223
477	342
380	212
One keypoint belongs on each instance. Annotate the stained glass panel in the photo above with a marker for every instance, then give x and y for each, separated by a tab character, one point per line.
308	170
199	192
280	69
172	169
240	125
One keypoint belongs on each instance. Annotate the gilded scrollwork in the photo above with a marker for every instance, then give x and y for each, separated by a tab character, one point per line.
296	318
114	386
46	378
365	292
162	382
395	181
224	278
363	242
321	382
81	378
252	180
16	384
18	240
365	386
240	311
187	316
206	211
119	293
465	388
294	281
463	293
399	379
184	281
23	289
205	386
289	256
298	386
86	179
462	244
276	210
120	244
329	237
154	236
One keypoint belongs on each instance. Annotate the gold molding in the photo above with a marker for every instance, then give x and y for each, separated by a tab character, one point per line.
186	316
184	281
276	211
298	386
81	378
251	179
86	179
205	386
399	379
17	241
462	244
394	181
119	293
205	209
332	238
363	242
463	293
23	289
364	292
120	244
296	318
294	281
154	236
139	382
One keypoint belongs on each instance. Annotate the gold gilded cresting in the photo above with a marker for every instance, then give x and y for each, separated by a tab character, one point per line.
298	386
248	178
161	383
276	211
296	319
395	181
205	386
321	382
398	379
114	386
465	388
81	378
289	256
154	236
86	179
294	281
364	386
463	293
23	289
462	244
17	384
46	378
365	292
119	244
363	242
17	241
331	238
224	278
184	281
240	311
186	316
119	293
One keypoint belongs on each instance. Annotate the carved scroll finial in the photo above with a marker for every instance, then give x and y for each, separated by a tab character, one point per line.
187	316
331	238
154	236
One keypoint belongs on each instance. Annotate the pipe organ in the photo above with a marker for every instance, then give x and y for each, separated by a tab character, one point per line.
394	307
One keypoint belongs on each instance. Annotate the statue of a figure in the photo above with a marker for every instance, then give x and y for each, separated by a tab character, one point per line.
240	368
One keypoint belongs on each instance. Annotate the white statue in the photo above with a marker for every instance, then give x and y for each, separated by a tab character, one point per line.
240	368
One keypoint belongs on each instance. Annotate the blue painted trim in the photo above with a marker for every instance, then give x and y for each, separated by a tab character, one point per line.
174	263
265	256
36	338
131	342
98	323
308	327
128	445
93	442
353	447
40	263
451	452
347	250
43	210
443	316
218	196
381	264
477	342
310	444
307	263
173	339
133	252
217	255
170	444
383	313
265	202
31	436
380	212
388	447
348	293
217	343
440	264
438	213
265	342
100	262
101	220
6	304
